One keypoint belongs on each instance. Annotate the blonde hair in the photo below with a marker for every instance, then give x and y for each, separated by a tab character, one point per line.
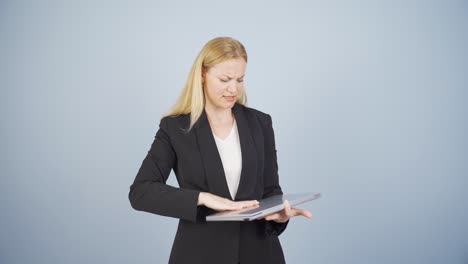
192	99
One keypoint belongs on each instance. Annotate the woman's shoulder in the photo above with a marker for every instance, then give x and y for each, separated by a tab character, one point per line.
255	113
181	120
176	118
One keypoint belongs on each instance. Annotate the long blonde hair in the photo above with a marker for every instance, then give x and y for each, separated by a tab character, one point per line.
192	99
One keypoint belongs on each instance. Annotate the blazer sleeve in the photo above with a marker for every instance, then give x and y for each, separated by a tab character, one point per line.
149	191
271	177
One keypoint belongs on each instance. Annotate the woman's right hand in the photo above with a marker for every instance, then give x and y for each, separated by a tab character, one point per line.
220	204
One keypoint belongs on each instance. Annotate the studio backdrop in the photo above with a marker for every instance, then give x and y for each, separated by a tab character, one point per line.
368	101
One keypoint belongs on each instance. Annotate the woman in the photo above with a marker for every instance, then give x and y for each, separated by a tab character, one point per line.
224	157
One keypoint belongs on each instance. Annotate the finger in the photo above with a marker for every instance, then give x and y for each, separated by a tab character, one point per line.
287	209
247	204
250	203
232	206
236	205
303	213
280	218
251	207
272	217
243	204
306	213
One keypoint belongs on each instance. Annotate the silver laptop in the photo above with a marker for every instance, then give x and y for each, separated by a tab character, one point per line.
266	206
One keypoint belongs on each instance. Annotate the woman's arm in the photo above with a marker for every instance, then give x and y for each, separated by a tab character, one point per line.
149	191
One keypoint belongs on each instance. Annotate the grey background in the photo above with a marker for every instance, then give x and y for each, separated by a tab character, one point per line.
368	100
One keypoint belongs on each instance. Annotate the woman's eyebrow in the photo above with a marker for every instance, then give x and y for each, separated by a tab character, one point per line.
224	75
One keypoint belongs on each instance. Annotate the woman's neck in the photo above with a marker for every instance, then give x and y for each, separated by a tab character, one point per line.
219	116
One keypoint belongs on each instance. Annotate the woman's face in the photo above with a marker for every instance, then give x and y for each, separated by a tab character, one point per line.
223	83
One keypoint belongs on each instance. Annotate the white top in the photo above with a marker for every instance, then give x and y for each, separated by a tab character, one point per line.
230	152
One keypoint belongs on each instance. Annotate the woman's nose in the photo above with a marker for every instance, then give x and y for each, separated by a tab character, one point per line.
232	87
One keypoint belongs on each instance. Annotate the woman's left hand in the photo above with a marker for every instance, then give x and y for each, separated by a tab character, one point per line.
286	213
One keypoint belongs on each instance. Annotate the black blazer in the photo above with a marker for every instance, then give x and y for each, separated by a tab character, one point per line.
198	167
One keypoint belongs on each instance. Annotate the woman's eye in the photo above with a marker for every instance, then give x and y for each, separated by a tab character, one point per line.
240	80
224	80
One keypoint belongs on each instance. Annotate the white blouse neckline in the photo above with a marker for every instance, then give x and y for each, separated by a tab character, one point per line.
228	136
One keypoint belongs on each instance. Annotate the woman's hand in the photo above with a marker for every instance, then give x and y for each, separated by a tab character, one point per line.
220	204
288	212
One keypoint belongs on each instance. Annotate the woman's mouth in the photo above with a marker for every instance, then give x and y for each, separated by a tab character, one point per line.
230	98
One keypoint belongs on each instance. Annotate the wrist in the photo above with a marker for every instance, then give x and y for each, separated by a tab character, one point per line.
201	198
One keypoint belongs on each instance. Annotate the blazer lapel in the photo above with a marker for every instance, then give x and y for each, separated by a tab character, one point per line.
249	155
216	179
212	163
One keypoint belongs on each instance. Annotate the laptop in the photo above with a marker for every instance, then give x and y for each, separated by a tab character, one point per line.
266	206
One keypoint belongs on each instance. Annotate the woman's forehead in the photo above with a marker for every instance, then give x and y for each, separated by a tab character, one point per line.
231	68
